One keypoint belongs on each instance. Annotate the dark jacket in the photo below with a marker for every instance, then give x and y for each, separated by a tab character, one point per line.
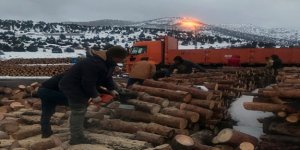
186	67
81	81
52	83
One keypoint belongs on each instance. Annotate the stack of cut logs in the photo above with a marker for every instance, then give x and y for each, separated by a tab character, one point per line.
37	61
161	115
28	67
283	129
36	70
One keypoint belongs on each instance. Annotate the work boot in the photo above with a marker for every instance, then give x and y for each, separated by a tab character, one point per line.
46	131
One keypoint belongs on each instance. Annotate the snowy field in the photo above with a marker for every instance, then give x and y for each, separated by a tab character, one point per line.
247	119
41	54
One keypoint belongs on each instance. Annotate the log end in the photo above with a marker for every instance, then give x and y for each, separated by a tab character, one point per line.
224	135
182	142
246	146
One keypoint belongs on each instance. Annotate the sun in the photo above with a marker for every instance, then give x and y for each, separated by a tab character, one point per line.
190	23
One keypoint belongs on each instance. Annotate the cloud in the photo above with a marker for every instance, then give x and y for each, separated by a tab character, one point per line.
258	12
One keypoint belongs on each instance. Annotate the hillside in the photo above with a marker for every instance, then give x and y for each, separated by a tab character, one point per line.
21	36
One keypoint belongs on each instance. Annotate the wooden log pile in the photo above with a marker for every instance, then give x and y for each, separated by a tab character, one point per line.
163	116
37	61
36	70
283	129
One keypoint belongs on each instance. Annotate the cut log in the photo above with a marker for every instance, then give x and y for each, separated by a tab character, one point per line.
16	105
174	104
199	146
95	115
9	126
281	114
3	135
2	116
189	115
118	143
153	99
180	96
161	147
22	87
7	90
86	147
34	84
132	115
205	113
246	146
281	139
149	137
5	101
133	127
292	93
170	121
46	144
234	137
282	128
182	142
277	146
203	103
224	147
4	109
27	131
267	107
194	91
18	96
293	118
203	137
145	106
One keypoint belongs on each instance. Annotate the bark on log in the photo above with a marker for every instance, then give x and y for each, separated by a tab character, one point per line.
189	115
224	147
9	126
16	105
149	137
280	139
161	147
267	107
199	146
118	143
203	103
282	128
4	135
194	91
133	115
165	93
182	142
95	115
27	131
292	93
7	90
153	99
170	121
277	146
234	137
145	106
133	127
205	113
46	144
203	137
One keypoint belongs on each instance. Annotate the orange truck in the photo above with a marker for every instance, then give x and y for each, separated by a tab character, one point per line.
164	50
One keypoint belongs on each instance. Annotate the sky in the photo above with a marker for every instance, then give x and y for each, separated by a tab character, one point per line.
267	13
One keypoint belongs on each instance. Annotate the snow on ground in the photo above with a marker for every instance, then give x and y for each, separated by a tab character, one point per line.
41	54
247	119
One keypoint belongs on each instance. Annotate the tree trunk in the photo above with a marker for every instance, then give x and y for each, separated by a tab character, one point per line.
180	96
293	118
267	107
209	104
145	106
149	137
27	131
9	126
182	142
189	115
194	91
280	139
205	113
161	147
234	137
133	127
170	121
153	99
132	115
